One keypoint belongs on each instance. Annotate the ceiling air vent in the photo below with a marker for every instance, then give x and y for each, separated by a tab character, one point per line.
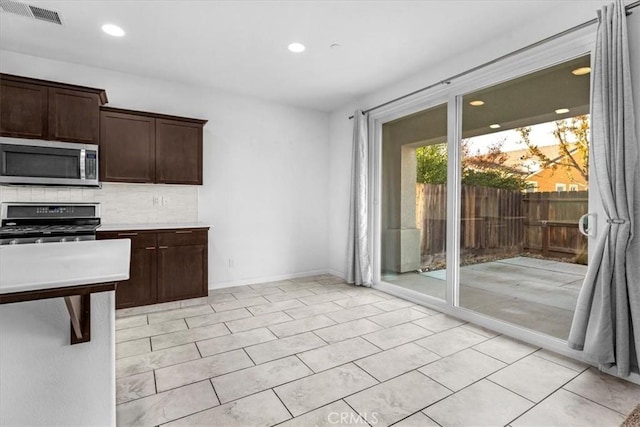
28	11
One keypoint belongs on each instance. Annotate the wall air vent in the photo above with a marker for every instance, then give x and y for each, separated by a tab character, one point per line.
29	11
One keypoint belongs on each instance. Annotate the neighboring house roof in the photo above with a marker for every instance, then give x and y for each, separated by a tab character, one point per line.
524	161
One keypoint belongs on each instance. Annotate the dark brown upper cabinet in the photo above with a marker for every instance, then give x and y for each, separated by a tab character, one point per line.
41	109
74	116
127	151
138	146
178	152
24	110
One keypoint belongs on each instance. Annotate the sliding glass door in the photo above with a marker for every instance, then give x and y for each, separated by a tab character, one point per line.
480	199
525	185
414	202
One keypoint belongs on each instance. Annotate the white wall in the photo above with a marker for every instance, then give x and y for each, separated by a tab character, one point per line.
341	127
266	191
265	186
46	381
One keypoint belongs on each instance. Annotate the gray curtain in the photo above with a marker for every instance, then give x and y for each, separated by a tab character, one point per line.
358	256
606	323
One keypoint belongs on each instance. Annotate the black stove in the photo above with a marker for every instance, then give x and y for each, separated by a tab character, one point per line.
43	223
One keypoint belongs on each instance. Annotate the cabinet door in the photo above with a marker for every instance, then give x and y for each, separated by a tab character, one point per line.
182	272
74	116
127	147
141	288
178	152
23	110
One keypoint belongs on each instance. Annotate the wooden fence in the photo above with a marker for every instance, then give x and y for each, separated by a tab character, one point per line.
496	222
551	223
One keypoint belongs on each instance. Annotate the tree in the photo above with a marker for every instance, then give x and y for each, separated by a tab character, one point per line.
573	141
432	164
487	170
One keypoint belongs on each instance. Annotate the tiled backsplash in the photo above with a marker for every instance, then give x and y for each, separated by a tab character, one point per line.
120	203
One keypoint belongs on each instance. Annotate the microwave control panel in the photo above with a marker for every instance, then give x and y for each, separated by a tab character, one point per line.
91	166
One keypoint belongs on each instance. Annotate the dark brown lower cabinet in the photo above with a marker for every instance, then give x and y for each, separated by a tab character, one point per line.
180	273
166	265
182	262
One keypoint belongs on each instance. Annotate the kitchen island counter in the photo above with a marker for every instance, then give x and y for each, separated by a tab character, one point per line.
33	267
57	328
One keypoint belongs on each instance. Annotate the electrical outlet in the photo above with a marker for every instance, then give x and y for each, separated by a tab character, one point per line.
165	200
156	200
231	263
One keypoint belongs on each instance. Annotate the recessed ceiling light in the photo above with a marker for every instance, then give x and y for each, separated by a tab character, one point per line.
476	103
581	71
494	126
296	47
113	30
562	110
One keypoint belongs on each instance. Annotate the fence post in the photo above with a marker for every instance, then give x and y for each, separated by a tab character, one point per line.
545	227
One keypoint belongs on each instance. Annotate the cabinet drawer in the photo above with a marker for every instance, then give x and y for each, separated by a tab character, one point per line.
182	237
138	239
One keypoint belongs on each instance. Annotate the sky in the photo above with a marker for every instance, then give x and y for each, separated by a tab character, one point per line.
541	135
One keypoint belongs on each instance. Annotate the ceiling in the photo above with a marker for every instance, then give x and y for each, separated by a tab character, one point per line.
524	101
241	46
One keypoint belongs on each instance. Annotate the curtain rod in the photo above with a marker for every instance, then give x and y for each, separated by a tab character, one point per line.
500	58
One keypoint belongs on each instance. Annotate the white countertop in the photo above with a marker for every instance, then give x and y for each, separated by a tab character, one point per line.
157	226
31	267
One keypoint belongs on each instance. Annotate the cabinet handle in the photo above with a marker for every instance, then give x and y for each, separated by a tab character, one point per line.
150	247
184	232
127	234
163	247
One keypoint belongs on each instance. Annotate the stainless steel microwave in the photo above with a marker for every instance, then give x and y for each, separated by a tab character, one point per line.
36	162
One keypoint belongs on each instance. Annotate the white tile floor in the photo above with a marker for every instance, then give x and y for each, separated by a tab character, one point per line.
318	352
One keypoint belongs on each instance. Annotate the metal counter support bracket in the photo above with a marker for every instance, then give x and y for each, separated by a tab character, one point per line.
76	298
79	307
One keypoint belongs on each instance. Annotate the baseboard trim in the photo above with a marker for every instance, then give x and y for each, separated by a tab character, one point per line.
258	280
337	273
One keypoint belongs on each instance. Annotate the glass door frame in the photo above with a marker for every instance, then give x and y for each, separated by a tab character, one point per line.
544	54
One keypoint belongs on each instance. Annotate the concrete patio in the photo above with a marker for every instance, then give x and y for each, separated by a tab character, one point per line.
535	293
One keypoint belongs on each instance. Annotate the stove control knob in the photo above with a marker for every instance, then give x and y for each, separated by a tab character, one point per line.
39	240
13	242
64	239
77	239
